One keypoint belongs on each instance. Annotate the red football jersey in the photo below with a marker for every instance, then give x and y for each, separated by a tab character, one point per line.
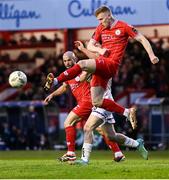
115	39
80	90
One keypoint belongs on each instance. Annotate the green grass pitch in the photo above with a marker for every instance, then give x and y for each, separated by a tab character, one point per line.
43	165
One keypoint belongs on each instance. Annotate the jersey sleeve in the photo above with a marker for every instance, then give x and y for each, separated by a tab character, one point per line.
131	31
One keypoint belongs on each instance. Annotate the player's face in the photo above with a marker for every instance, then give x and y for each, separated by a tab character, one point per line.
105	19
68	63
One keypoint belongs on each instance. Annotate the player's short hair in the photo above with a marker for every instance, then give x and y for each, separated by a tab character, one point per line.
70	55
102	9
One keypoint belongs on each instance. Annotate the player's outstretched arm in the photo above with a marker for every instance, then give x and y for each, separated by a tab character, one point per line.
62	89
89	54
154	59
92	46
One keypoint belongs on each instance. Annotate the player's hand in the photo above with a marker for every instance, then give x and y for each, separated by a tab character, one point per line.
105	52
79	45
154	60
48	99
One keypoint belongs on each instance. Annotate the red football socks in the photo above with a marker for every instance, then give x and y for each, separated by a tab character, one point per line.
112	106
112	145
70	138
69	73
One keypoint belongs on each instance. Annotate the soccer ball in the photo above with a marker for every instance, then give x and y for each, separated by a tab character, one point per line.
17	79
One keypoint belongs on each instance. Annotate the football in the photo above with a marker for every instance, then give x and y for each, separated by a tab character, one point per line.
17	79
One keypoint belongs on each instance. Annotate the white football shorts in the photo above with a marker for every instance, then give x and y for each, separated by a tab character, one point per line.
106	116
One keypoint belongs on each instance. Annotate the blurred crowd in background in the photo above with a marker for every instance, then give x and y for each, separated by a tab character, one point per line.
136	71
11	40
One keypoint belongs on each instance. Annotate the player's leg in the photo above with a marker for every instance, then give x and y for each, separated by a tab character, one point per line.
88	65
97	93
82	110
107	117
118	155
98	87
90	125
111	134
105	70
70	132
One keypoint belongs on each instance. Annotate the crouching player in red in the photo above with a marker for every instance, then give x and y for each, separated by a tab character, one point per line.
81	91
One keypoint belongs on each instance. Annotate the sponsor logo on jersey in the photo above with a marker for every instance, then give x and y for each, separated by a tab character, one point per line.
74	86
65	73
107	37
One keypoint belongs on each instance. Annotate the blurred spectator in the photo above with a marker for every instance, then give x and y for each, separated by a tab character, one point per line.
53	130
6	134
56	38
23	56
5	57
29	125
38	54
22	39
60	66
2	40
43	143
44	39
33	39
12	41
156	35
25	95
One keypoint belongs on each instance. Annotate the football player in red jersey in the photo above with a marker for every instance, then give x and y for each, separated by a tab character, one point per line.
114	35
81	91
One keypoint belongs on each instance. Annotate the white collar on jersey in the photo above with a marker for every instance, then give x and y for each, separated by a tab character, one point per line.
114	23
